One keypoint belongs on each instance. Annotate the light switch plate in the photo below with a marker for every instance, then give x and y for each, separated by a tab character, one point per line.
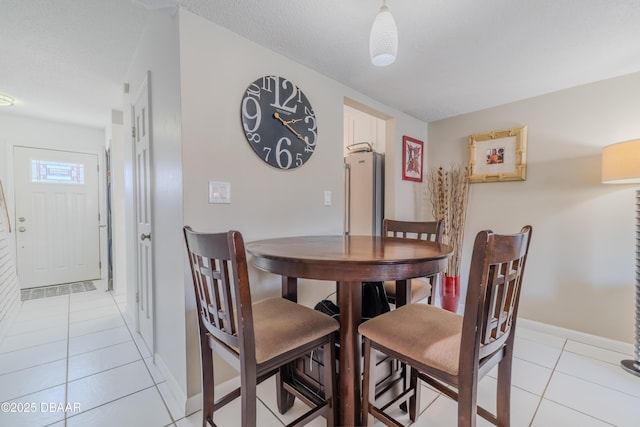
327	198
219	192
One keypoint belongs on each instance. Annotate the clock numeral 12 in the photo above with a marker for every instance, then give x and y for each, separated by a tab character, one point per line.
291	96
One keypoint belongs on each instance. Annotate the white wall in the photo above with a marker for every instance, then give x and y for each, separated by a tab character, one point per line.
9	286
403	199
158	52
216	68
120	153
33	132
580	273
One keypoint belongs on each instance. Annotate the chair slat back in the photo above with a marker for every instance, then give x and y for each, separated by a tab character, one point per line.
220	278
495	282
421	230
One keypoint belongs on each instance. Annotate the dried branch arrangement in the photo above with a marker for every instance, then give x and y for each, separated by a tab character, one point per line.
449	196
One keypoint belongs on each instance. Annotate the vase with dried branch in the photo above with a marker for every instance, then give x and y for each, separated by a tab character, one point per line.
449	196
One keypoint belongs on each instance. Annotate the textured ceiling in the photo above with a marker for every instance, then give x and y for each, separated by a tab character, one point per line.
66	58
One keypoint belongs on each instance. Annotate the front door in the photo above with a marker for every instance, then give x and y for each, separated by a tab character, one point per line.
57	216
142	142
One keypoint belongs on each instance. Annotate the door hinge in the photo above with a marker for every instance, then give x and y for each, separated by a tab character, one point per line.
133	132
137	297
100	265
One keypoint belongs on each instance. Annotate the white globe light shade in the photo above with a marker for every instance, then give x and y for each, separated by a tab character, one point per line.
383	41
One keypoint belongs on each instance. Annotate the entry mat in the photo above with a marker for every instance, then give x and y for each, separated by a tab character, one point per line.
56	290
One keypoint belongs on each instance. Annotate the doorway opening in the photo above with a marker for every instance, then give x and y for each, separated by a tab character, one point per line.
57	211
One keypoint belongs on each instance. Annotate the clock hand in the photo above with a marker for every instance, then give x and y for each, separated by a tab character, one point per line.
295	133
286	124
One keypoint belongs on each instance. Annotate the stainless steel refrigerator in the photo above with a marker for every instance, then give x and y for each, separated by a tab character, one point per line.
364	204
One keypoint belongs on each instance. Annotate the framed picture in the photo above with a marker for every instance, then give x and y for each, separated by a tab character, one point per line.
412	158
498	156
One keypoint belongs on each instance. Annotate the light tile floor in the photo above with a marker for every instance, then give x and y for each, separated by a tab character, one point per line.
73	361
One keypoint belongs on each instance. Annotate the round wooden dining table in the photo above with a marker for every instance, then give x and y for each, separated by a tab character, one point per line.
349	261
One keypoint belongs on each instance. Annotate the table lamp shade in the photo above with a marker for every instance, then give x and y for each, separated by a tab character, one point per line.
621	163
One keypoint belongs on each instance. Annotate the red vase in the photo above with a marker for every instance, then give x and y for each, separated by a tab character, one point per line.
450	293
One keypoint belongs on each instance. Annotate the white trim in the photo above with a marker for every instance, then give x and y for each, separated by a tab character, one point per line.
594	340
174	387
193	404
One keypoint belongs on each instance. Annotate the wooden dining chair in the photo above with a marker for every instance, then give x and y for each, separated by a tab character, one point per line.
420	230
447	350
256	338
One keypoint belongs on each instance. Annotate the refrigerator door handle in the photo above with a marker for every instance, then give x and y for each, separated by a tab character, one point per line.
347	204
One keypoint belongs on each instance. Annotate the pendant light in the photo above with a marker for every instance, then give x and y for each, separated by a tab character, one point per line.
383	41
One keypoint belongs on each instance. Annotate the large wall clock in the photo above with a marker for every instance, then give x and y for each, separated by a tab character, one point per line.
278	122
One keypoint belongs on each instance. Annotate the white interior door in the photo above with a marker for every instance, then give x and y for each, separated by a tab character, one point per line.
142	143
57	216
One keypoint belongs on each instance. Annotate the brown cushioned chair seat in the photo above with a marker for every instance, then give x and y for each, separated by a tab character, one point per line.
281	325
425	333
419	289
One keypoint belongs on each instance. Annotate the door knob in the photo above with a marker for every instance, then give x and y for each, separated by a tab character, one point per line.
145	236
22	229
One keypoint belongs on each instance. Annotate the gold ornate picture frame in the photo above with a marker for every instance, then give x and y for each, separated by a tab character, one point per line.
498	156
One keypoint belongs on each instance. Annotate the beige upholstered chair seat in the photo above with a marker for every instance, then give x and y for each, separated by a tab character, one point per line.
419	289
258	339
422	332
281	325
451	353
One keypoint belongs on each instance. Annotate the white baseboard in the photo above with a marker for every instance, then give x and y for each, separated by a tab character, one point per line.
619	346
193	404
176	390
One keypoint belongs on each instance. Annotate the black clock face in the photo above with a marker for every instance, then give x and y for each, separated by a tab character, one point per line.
278	122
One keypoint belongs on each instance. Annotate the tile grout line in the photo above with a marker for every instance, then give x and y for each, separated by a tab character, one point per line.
259	399
109	402
582	413
546	386
154	385
554	370
66	385
135	343
66	382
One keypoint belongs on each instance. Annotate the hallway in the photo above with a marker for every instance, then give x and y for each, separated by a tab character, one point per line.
78	349
73	361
